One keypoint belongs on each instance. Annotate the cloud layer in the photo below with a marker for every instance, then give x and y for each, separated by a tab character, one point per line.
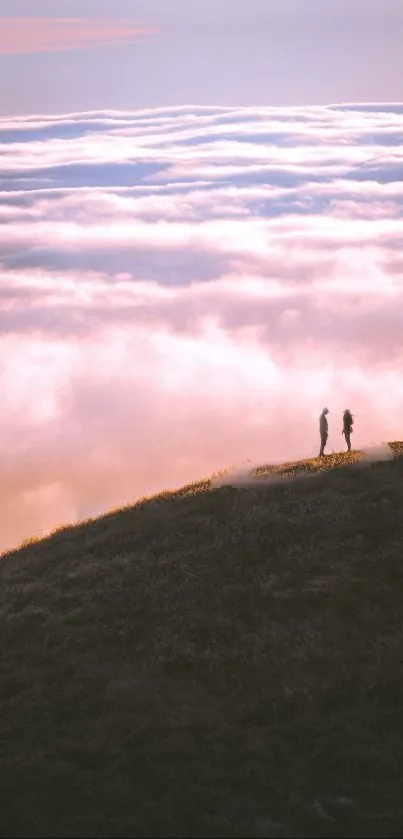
185	288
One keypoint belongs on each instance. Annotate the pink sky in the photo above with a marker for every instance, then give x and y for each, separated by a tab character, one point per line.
182	289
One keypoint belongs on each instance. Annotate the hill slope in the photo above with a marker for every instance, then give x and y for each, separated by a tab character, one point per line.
210	663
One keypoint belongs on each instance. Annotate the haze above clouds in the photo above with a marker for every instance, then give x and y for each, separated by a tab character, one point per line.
184	288
80	55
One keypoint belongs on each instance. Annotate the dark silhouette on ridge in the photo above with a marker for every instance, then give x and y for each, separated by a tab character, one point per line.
323	430
348	422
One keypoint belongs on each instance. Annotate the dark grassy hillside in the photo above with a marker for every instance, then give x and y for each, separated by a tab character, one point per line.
211	663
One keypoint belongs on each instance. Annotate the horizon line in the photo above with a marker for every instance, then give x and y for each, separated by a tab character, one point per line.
26	116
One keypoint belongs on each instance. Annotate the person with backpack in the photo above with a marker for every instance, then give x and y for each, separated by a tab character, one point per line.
323	430
348	427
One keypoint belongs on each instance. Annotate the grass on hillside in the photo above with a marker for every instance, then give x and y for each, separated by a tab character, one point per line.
211	663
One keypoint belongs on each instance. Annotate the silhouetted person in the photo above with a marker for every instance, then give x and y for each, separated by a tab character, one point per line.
348	427
323	430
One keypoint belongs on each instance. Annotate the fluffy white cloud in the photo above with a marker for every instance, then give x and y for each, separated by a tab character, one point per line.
185	288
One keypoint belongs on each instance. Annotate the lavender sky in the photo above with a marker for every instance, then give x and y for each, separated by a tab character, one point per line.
71	55
199	247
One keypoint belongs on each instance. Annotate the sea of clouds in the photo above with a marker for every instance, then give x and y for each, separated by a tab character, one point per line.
185	288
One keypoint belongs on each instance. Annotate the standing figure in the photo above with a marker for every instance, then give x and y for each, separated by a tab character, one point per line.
323	430
348	427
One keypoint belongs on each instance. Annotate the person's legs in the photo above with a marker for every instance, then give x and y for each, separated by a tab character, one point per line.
348	440
323	441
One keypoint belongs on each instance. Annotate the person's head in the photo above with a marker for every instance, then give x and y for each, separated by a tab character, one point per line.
325	411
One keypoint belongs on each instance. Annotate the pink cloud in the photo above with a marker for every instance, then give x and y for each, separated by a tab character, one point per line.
31	35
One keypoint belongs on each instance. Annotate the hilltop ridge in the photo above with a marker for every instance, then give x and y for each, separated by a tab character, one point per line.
211	663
